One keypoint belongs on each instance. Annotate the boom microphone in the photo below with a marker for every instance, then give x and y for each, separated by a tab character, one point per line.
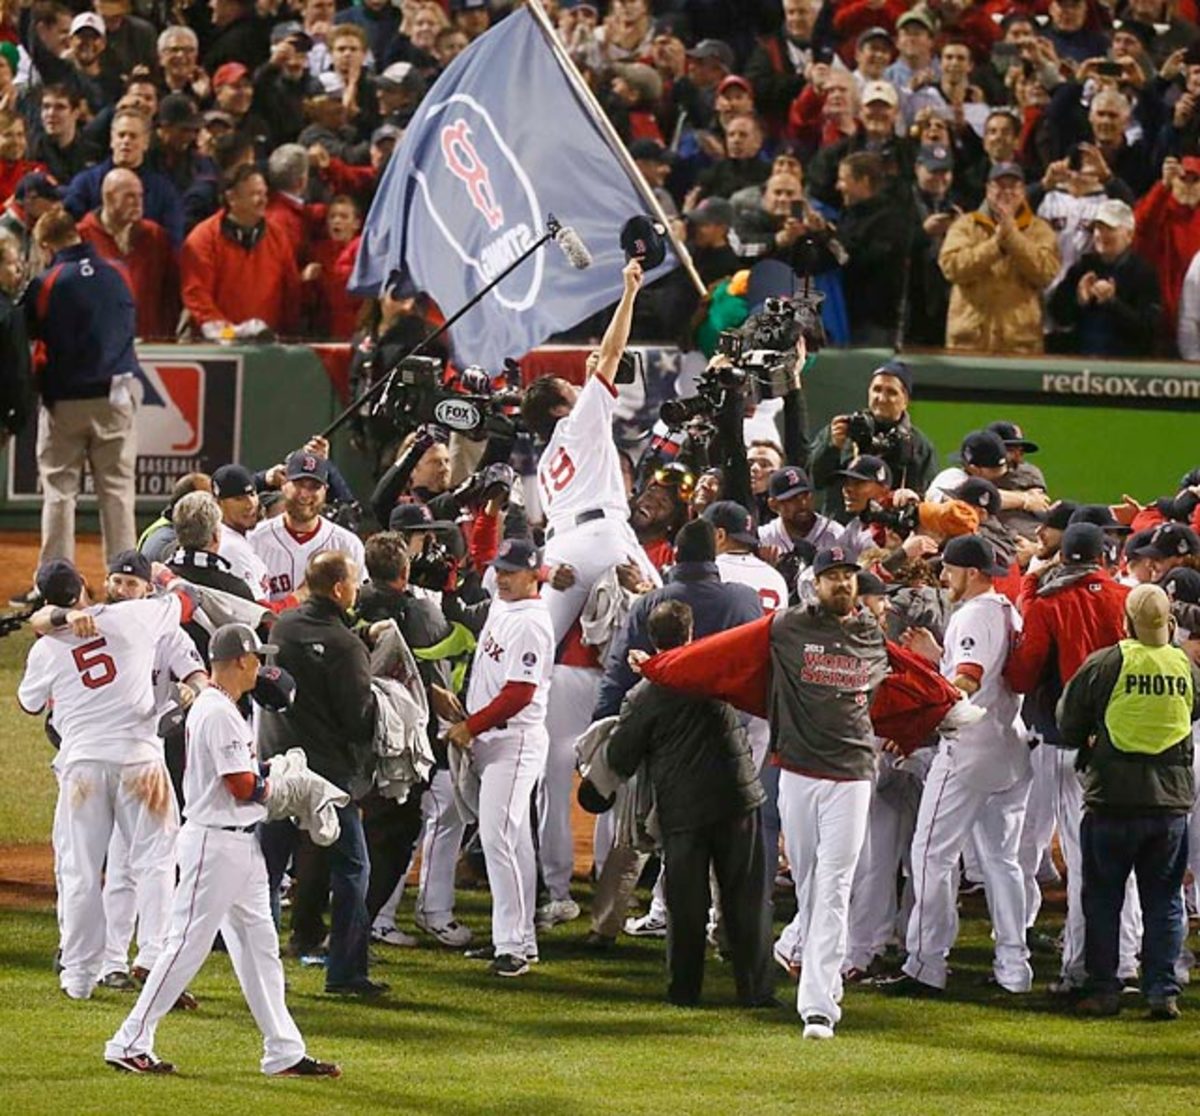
573	248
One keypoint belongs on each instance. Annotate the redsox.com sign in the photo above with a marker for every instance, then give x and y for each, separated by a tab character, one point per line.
188	420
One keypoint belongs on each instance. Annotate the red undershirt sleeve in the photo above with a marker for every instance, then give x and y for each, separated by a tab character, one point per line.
505	705
241	785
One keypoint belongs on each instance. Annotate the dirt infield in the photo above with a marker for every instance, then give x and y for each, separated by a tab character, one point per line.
20	550
26	876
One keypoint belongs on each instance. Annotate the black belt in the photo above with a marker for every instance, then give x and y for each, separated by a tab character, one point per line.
237	828
581	519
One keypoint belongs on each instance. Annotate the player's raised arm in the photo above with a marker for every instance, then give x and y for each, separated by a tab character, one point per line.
616	337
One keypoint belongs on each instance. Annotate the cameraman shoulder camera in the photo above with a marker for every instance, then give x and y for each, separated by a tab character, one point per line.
884	429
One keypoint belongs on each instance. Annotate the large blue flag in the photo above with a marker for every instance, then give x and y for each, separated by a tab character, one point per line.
499	142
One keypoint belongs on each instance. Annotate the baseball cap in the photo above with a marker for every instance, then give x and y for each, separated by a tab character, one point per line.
88	21
467	5
1006	170
900	370
643	238
711	211
972	552
1115	214
871	585
177	110
983	449
305	464
293	32
935	157
1058	515
915	17
1082	542
713	49
873	33
230	74
216	116
232	480
787	482
132	562
734	519
59	582
1149	612
831	558
275	689
416	517
516	554
1142	31
384	133
38	184
400	75
591	800
1099	514
651	151
1191	166
979	493
1012	435
1170	540
734	79
1137	541
867	467
231	641
880	91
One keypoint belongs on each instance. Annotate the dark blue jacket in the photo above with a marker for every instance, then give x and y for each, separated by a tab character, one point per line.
716	606
81	308
160	204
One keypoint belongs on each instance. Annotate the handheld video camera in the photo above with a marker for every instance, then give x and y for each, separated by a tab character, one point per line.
416	393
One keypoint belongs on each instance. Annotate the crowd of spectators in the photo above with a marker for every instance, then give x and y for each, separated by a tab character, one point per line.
985	175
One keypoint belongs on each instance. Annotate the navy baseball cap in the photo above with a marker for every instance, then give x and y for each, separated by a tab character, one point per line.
1138	541
416	517
294	33
1099	514
1170	540
900	370
871	585
275	689
984	449
787	482
1012	436
1082	542
1006	170
979	493
59	582
232	480
1058	515
232	641
832	558
734	519
132	562
935	157
972	552
38	184
304	464
516	554
868	468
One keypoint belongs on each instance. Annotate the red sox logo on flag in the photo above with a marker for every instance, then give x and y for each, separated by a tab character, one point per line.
464	162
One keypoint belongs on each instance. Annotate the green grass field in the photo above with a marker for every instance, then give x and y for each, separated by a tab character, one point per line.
580	1034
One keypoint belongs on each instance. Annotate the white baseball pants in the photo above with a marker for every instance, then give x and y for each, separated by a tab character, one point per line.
94	797
568	714
1039	825
509	766
952	814
222	886
824	825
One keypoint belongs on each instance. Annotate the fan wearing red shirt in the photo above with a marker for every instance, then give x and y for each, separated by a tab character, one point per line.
337	309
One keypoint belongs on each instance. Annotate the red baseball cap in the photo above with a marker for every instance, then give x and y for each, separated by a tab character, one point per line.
1191	164
230	74
734	79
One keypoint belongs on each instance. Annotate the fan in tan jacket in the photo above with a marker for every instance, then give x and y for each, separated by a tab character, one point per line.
998	259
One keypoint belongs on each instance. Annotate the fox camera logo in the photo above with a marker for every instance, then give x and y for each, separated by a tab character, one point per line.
480	198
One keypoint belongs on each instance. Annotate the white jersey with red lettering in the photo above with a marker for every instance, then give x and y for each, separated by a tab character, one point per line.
516	645
823	534
580	470
235	548
218	742
286	553
763	578
102	687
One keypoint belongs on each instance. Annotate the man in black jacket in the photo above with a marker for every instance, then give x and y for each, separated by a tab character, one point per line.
333	721
708	799
16	380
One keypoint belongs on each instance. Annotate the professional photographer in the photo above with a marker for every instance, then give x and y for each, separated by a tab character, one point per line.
883	430
422	472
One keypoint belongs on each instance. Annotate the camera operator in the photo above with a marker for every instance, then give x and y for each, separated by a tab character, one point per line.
887	430
422	471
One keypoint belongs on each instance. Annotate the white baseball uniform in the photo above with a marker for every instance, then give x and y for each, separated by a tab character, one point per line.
244	562
222	886
286	553
976	790
823	534
111	772
176	658
583	497
516	645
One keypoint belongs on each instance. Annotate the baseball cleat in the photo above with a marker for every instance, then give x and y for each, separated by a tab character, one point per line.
310	1067
818	1027
905	985
792	968
648	926
452	934
141	1063
186	1002
555	912
393	936
506	965
365	989
480	953
118	981
1165	1009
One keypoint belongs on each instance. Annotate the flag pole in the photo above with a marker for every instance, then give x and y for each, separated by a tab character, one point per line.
588	99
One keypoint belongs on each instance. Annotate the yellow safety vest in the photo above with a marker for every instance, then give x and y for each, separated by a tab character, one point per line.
1151	705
